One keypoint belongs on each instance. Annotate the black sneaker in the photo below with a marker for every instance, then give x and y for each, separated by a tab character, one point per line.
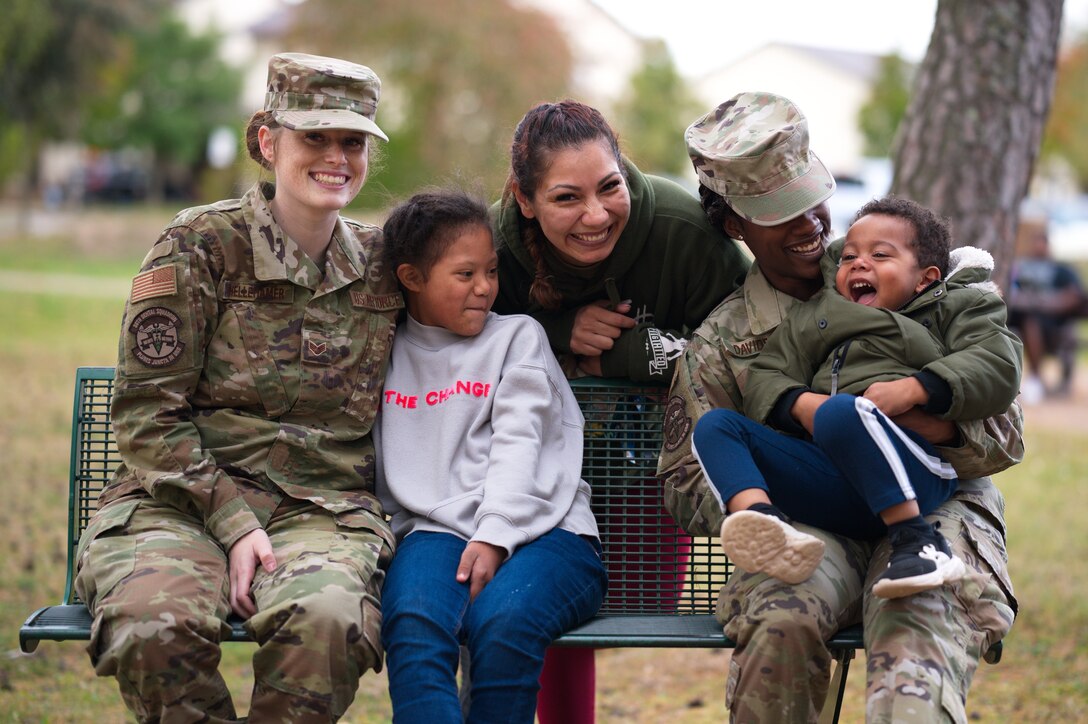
920	560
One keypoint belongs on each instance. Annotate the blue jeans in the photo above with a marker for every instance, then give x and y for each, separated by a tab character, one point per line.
858	463
546	588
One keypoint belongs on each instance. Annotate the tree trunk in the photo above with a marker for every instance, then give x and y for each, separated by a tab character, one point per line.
972	132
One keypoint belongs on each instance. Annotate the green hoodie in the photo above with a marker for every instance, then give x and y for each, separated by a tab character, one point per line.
669	262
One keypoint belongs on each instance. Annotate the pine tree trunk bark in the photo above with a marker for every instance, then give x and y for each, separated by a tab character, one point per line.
972	131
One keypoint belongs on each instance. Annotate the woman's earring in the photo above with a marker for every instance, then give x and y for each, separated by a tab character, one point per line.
740	237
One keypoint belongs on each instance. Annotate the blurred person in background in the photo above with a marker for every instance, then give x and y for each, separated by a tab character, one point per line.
1046	298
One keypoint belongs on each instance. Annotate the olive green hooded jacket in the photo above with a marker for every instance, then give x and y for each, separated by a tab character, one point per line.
951	335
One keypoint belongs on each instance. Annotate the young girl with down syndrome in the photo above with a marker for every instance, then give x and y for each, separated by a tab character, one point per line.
480	450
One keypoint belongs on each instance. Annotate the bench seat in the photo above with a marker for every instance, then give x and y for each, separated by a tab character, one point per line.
662	583
72	622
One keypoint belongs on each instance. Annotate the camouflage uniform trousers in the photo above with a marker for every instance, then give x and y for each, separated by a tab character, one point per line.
157	586
922	650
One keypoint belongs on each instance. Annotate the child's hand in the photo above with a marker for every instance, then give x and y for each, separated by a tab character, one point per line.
596	327
898	396
478	565
805	406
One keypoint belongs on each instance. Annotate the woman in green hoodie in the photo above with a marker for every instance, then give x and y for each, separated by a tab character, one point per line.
619	267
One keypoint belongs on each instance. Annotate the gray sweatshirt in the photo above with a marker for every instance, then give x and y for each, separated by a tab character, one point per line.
481	436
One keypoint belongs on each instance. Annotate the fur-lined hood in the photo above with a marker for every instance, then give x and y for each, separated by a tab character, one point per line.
973	267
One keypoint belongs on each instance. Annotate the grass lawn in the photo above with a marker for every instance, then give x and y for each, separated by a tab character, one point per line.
1043	677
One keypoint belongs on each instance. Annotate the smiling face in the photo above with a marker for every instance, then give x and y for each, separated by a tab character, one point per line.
879	267
315	170
788	254
458	291
581	203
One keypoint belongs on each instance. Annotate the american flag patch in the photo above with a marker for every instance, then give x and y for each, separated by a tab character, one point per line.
159	282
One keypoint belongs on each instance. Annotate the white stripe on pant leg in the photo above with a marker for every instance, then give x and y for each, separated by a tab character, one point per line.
934	464
868	414
713	488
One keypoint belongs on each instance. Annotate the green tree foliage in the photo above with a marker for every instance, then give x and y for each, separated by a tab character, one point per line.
50	51
1066	134
879	117
457	76
166	92
658	104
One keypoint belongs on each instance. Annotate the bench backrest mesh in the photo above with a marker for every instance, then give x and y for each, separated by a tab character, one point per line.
94	456
653	567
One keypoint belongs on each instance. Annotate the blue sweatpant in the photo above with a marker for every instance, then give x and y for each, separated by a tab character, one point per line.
858	463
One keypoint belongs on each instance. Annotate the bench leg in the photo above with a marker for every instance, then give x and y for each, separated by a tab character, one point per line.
832	709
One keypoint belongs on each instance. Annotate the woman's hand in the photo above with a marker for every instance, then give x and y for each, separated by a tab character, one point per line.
900	400
590	366
897	396
249	550
932	428
478	566
596	327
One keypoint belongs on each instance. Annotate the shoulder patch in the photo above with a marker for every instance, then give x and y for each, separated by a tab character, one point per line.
158	282
156	337
677	423
158	251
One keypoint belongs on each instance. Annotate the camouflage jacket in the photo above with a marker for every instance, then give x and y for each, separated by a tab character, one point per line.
713	372
245	374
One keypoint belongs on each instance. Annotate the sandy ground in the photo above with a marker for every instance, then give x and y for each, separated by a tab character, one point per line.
1061	413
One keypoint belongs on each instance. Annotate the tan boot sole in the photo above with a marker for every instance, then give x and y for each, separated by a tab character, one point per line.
760	543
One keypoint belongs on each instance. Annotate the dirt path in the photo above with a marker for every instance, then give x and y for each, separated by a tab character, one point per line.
1062	413
64	284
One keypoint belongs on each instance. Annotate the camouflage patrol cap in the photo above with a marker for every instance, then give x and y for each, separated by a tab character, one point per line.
753	151
310	91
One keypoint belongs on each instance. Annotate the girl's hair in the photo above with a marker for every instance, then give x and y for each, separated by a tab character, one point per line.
421	229
546	129
932	237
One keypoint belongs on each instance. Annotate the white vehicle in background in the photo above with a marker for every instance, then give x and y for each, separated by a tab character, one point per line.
1067	228
852	191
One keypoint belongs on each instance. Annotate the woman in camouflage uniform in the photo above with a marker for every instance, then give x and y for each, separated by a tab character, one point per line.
251	359
760	183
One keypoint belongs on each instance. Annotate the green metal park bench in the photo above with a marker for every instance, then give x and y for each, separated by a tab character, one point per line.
651	601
